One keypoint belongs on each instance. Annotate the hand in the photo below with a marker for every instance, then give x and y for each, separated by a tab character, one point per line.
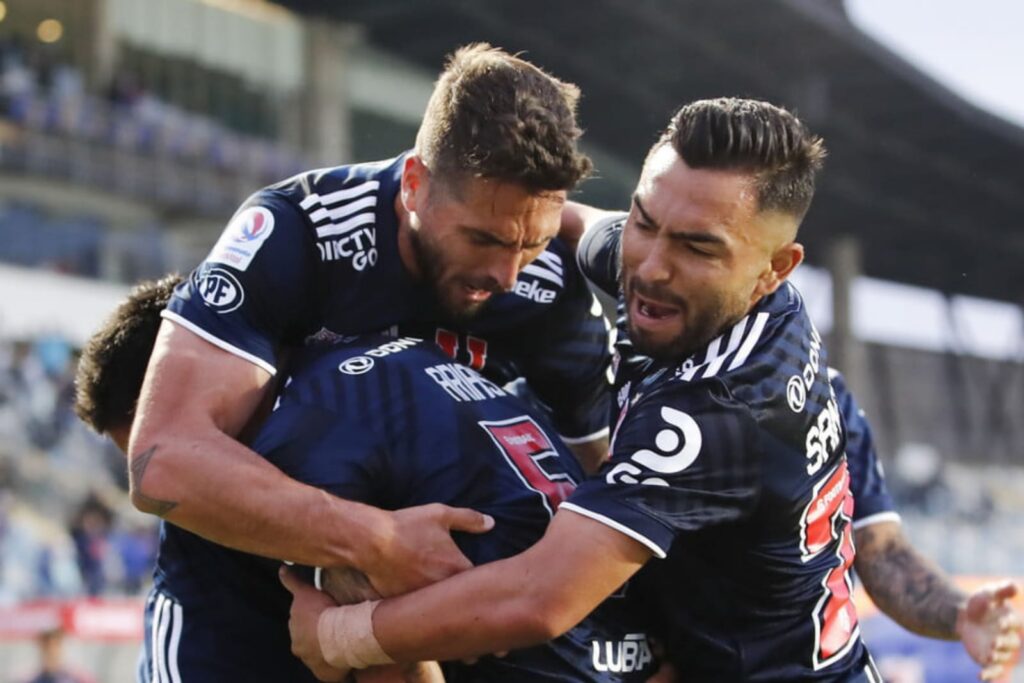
419	549
307	605
990	628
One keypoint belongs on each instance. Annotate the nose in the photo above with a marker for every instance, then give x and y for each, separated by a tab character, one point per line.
655	264
504	269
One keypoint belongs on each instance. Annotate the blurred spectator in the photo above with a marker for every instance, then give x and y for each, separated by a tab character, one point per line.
51	661
91	533
36	557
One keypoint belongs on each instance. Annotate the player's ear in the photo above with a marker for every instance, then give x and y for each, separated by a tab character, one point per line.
783	262
414	181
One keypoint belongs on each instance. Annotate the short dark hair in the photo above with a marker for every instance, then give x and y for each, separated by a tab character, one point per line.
493	115
114	360
752	136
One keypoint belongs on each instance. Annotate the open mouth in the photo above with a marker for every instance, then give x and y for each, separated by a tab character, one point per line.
652	310
475	294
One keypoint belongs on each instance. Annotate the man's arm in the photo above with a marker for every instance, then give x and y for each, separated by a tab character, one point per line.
591	454
521	601
915	593
577	218
186	467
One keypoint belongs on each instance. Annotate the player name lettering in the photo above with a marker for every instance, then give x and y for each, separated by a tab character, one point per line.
534	292
359	246
823	437
624	656
462	383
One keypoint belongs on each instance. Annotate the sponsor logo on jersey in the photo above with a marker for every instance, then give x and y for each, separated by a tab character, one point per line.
359	248
534	292
243	237
622	656
676	448
547	266
796	393
356	365
359	365
800	385
220	290
396	346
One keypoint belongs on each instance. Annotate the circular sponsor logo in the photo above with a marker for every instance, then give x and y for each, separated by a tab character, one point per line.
220	290
253	224
796	393
357	365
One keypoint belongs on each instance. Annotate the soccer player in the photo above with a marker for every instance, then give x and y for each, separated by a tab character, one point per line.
905	585
383	421
452	241
727	456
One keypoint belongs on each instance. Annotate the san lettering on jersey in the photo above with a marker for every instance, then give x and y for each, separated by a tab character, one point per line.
731	465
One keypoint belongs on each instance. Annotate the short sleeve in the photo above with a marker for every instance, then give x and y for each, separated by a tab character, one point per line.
682	461
871	499
598	253
567	368
255	290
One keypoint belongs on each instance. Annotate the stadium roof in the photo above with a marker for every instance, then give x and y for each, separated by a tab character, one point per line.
933	186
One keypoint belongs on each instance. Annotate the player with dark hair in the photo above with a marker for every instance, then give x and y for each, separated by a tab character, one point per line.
740	490
113	362
727	453
387	422
453	241
906	586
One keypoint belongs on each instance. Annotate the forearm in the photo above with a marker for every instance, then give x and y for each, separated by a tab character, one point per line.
489	609
524	600
219	489
906	586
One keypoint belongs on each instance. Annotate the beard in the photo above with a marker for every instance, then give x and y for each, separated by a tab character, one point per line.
433	264
716	312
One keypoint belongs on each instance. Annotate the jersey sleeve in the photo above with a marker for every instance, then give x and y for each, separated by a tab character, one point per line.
568	366
255	290
871	499
598	253
682	461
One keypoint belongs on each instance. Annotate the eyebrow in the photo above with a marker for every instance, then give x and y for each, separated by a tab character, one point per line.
703	237
493	238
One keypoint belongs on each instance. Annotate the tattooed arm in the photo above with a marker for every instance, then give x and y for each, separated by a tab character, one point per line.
918	595
905	585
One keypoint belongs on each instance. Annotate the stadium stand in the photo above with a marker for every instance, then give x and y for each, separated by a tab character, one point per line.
947	419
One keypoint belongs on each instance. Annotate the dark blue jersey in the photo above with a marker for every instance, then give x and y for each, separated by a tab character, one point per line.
316	256
872	501
600	255
731	465
396	423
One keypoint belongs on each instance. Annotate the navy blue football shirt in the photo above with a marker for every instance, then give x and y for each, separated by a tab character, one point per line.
731	466
392	423
316	257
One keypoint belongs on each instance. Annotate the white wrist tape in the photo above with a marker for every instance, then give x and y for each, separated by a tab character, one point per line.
346	637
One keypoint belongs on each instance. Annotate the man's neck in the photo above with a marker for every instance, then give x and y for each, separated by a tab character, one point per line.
406	252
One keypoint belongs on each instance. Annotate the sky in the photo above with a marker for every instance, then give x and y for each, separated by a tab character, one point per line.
974	47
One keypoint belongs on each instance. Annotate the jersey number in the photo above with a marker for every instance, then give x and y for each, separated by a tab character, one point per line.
826	523
449	343
529	452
